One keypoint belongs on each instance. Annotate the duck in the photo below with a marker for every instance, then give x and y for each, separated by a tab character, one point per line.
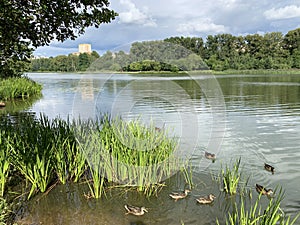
135	210
211	156
263	190
269	168
176	195
157	129
206	200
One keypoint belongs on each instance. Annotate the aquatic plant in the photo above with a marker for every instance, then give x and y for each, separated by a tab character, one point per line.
3	211
230	177
36	168
19	87
5	160
89	144
68	162
139	155
256	215
188	175
127	153
108	150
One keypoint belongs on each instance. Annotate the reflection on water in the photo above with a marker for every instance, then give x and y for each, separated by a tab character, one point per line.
262	121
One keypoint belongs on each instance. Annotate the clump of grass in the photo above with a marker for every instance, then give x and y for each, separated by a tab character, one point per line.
5	160
18	87
256	215
128	154
69	162
43	150
230	177
89	144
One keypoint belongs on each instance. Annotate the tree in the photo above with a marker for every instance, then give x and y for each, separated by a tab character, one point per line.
25	25
291	40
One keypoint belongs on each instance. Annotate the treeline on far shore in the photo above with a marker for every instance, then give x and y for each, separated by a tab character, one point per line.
219	52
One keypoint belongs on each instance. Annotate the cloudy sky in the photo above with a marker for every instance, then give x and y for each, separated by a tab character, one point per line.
141	20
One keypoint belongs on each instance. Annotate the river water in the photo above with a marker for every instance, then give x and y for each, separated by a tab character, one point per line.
252	117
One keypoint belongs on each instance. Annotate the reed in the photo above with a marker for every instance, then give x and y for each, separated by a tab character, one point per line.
19	87
35	167
109	150
142	156
126	153
257	214
5	160
68	162
90	147
187	171
230	177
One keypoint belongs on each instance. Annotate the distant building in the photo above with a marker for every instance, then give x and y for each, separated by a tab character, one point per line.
84	48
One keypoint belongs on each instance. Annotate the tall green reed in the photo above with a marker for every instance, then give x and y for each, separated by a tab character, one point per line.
69	163
5	160
257	214
139	155
127	153
230	177
19	87
89	145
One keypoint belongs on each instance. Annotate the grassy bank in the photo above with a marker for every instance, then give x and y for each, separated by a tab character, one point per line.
18	87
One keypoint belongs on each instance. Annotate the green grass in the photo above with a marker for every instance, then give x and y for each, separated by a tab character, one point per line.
106	151
5	160
257	213
18	87
230	177
127	154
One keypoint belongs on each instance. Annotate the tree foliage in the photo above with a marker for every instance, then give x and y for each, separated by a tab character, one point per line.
143	56
254	51
63	63
25	25
219	52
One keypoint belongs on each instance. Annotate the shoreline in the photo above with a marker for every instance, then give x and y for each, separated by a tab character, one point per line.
204	72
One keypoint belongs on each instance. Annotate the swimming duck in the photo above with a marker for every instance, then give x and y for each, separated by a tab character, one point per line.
181	195
269	168
137	211
210	156
263	190
157	129
206	200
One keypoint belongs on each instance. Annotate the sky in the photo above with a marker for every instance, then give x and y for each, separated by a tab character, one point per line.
144	20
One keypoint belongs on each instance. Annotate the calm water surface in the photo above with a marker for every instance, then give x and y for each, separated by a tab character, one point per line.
253	117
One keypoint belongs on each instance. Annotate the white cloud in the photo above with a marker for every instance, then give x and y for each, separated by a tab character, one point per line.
141	20
135	16
290	11
201	26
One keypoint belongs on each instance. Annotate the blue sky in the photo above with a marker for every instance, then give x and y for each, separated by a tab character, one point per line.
141	20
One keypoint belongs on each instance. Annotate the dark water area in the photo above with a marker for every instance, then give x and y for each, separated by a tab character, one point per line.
254	117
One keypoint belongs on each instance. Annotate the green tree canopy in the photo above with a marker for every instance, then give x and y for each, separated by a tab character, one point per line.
25	25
